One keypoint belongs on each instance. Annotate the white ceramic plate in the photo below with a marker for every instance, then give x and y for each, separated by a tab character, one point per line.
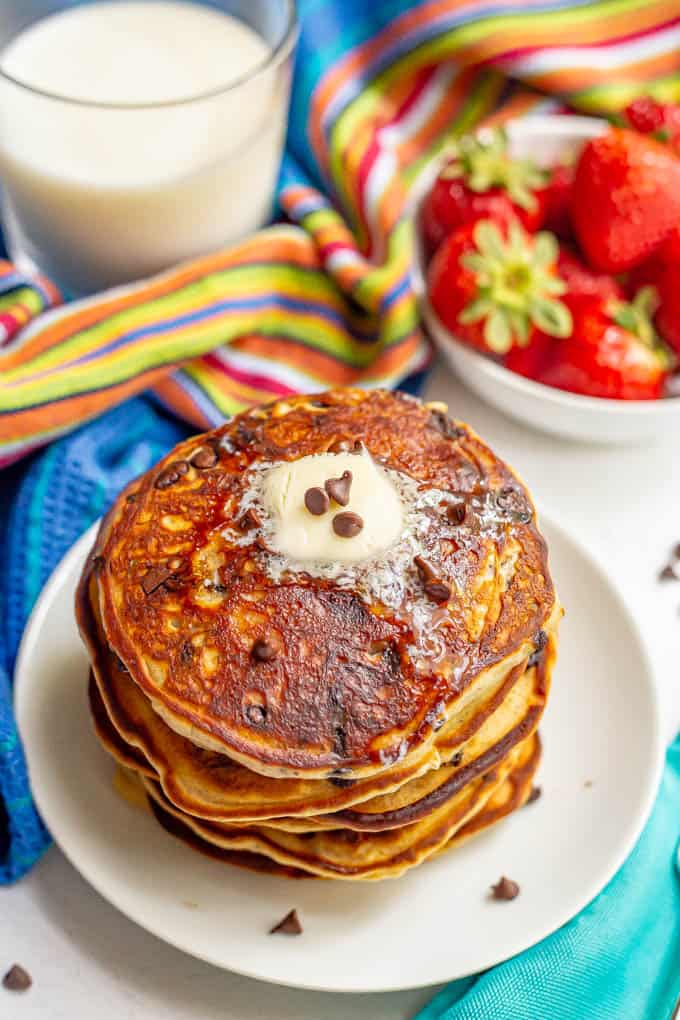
546	138
434	924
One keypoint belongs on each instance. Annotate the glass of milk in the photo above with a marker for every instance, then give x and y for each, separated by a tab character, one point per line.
135	134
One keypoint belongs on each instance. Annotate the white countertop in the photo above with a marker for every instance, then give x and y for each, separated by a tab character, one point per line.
87	960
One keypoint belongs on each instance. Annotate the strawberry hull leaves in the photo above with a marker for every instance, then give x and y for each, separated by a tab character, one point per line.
495	286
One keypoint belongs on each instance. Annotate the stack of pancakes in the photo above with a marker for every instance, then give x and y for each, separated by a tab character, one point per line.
343	720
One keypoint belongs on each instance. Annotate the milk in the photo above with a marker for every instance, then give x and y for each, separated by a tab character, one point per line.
97	195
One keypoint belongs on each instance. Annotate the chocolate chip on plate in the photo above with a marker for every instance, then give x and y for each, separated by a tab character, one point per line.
347	524
338	488
535	794
505	889
171	474
205	457
17	979
316	501
262	651
288	925
154	578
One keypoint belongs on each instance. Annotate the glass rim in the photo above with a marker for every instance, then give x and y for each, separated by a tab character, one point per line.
278	54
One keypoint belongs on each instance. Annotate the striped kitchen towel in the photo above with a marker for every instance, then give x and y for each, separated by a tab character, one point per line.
326	299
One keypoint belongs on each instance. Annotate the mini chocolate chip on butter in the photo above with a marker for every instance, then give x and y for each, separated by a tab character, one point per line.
262	651
288	925
316	501
338	488
205	457
505	889
154	578
256	714
171	474
347	524
535	794
17	979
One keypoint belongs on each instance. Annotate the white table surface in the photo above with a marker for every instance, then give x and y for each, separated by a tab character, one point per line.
88	961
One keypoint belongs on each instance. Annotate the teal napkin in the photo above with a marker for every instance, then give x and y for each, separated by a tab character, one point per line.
619	959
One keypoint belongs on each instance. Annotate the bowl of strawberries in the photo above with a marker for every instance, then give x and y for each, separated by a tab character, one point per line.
548	266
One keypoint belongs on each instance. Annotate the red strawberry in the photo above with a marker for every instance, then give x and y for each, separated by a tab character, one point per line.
625	199
482	181
495	286
581	280
557	199
665	279
612	352
649	117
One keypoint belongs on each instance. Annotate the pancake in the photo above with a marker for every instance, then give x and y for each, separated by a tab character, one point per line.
348	855
367	666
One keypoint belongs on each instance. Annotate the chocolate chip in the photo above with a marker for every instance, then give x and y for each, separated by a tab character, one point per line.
347	524
338	488
288	925
186	653
456	512
669	573
250	519
425	568
98	562
262	651
438	591
120	665
132	498
534	795
442	423
514	504
457	759
17	979
540	641
154	578
243	437
256	714
205	457
505	889
346	446
171	474
316	501
340	782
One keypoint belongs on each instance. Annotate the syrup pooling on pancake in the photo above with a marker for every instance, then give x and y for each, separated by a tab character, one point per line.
292	672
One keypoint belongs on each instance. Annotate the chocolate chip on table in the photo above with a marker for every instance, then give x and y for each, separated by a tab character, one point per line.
535	794
347	524
316	501
250	519
338	488
154	578
171	474
505	889
256	714
17	979
262	651
288	925
205	457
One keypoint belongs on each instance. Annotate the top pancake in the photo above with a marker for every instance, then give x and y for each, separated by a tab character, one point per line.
366	667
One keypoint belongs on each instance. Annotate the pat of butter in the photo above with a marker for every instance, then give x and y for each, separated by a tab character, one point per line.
301	535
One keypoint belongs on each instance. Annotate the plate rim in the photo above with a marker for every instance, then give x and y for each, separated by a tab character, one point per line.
591	890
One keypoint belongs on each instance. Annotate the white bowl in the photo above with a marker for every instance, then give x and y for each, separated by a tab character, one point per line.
546	138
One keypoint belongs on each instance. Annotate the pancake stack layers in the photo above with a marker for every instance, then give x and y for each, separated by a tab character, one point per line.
321	636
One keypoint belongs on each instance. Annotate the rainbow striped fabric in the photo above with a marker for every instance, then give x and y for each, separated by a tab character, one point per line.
326	299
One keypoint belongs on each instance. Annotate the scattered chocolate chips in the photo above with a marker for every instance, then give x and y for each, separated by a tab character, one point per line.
513	504
17	979
347	524
250	519
205	457
262	651
505	889
171	474
442	423
540	641
535	794
288	925
316	501
256	714
154	578
338	488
